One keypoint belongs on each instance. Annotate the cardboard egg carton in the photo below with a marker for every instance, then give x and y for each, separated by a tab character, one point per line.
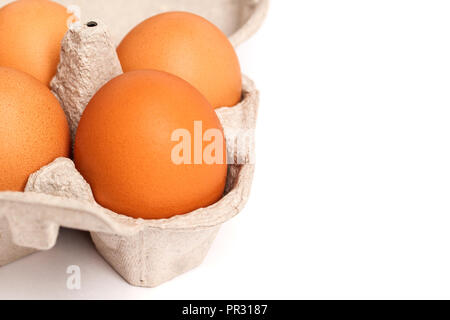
145	252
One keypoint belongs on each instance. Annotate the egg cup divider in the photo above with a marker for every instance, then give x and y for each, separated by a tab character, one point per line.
146	253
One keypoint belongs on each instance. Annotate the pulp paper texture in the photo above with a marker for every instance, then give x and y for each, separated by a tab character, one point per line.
145	252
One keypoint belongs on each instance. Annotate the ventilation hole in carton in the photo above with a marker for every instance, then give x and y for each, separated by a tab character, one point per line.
92	24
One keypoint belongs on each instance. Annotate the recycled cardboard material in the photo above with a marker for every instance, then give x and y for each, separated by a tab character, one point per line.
145	252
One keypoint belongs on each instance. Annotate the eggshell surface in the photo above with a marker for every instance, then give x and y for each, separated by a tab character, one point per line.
124	147
190	47
33	128
30	36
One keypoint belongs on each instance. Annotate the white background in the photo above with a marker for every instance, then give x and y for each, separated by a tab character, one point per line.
351	194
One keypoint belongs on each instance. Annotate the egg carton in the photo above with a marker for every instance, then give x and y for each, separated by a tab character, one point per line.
145	253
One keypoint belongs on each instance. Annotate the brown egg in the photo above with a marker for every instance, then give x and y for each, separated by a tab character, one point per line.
33	128
30	36
128	146
190	47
